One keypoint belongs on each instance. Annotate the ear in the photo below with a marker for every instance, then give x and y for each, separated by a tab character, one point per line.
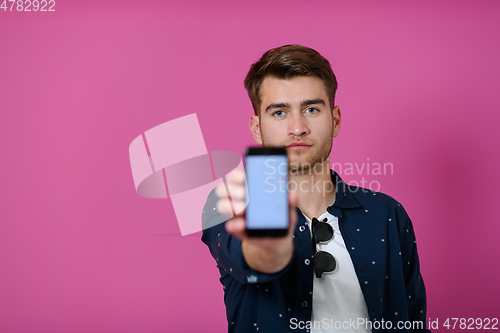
255	128
337	119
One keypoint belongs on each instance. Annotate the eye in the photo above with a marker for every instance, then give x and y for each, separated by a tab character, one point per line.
278	114
312	110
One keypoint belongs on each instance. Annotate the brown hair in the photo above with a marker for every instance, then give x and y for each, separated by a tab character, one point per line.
287	62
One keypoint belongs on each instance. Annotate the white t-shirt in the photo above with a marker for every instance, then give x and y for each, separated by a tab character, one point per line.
337	297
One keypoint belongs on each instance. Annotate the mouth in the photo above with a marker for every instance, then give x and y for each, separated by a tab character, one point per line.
298	146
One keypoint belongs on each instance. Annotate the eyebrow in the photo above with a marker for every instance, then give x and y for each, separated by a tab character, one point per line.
302	104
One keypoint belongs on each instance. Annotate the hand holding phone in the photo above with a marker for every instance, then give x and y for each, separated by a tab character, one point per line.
267	178
264	254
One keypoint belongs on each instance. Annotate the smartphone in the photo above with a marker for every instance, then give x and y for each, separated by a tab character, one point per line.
267	212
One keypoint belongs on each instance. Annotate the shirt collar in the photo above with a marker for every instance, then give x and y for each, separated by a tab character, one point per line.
343	195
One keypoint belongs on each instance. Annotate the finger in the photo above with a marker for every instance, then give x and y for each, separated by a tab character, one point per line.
236	191
236	176
220	190
239	207
236	227
223	206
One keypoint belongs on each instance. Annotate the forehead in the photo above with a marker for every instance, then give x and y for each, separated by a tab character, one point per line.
292	91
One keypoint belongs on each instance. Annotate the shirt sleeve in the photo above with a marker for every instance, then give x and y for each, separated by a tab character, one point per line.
414	284
226	249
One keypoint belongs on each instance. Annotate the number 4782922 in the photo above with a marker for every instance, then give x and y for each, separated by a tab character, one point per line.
28	5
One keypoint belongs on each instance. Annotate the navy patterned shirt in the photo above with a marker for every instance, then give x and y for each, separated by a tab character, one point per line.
375	228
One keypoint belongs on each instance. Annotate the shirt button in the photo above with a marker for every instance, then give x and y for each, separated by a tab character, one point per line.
302	228
307	262
305	304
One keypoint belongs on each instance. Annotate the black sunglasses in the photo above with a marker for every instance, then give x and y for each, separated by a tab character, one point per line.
322	233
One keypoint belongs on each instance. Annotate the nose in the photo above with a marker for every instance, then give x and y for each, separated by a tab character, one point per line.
297	125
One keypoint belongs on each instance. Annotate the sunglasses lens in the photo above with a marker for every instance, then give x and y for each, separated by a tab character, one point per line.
324	262
322	232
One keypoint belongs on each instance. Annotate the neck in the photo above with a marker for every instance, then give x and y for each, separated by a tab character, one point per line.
314	188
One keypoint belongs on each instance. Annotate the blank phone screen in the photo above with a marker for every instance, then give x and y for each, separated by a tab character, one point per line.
267	181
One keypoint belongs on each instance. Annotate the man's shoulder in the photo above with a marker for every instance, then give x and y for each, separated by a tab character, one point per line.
368	197
380	206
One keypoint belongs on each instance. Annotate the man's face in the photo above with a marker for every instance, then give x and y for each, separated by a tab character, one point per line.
296	111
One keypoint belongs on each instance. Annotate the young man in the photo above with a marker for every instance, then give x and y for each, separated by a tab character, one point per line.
271	284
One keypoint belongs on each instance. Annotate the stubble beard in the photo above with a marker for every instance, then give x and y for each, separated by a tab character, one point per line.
301	162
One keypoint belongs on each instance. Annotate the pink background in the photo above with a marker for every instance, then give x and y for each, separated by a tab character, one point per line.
80	251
